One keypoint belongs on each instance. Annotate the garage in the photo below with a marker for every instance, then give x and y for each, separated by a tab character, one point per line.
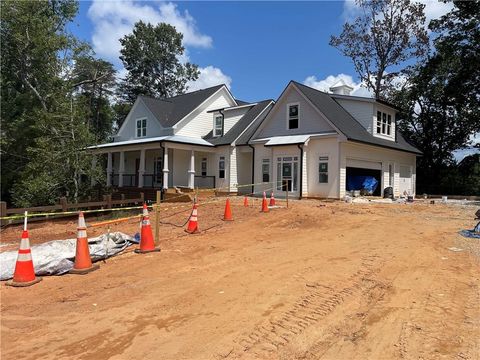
364	176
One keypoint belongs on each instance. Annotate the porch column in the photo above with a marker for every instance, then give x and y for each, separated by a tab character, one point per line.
92	173
191	171
141	168
109	169
121	168
165	168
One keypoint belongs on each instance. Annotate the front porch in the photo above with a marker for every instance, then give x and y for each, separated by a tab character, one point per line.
160	166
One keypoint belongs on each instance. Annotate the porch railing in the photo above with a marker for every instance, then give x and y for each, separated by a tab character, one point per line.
205	182
130	180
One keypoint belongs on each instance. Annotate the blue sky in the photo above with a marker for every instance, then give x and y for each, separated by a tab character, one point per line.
256	48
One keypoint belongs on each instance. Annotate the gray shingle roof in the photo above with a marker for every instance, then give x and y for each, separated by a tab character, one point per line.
170	111
347	124
240	126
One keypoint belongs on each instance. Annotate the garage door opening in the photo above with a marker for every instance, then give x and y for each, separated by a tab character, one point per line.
356	179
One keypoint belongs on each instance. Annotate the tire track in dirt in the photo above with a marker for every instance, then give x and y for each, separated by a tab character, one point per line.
318	301
448	327
353	326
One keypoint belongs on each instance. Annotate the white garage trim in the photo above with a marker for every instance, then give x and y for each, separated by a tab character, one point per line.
364	164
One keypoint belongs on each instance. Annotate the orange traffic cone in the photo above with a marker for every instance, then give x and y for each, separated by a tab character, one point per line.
147	244
227	216
192	227
245	201
272	200
264	203
24	274
83	262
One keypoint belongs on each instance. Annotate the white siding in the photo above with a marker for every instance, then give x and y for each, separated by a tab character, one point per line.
375	154
129	128
181	164
232	166
262	152
222	184
362	111
310	121
244	170
200	123
316	149
231	117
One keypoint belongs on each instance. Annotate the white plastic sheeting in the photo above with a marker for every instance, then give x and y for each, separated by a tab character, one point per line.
57	257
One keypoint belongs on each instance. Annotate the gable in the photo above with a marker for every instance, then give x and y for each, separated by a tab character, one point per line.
310	120
200	122
139	111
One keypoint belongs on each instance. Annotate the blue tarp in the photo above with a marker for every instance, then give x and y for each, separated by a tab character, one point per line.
475	233
368	183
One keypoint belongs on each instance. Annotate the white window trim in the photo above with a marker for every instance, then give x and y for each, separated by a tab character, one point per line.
392	125
288	115
267	161
136	127
215	124
328	168
224	159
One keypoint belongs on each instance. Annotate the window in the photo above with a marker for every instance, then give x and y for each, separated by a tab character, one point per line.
141	128
293	116
266	170
204	166
384	123
221	167
323	170
218	126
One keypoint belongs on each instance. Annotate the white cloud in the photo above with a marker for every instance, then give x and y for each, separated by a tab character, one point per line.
114	19
210	76
330	80
433	9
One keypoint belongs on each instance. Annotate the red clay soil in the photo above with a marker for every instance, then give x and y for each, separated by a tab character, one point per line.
315	281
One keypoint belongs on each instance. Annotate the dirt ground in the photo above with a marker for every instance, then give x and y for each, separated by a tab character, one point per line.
315	281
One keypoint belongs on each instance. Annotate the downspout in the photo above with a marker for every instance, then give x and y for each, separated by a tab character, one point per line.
253	167
162	193
300	146
223	121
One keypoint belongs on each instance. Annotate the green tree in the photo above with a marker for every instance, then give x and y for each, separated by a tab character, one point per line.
441	105
94	82
151	56
44	130
381	41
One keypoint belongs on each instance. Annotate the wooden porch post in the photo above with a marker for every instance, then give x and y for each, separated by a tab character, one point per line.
165	168
191	171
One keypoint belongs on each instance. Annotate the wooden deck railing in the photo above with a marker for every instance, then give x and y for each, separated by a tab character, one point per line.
64	206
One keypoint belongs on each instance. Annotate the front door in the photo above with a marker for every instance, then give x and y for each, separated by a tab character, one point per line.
288	174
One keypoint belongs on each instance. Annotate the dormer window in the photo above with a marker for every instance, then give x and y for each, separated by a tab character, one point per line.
218	126
292	115
384	123
141	128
